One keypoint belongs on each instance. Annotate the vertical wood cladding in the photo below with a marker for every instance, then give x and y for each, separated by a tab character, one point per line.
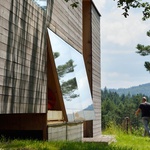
96	76
23	57
91	51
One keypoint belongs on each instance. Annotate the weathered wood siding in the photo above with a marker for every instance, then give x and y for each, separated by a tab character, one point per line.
65	131
22	57
96	75
91	51
67	22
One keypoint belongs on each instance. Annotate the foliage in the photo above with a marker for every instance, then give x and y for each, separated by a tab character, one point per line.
74	4
124	141
68	89
65	68
57	145
70	86
56	54
127	4
141	89
115	109
144	51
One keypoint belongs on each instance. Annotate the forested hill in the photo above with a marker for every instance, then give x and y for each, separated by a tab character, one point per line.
141	89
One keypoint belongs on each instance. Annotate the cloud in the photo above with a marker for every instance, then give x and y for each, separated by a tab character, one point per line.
121	67
123	31
123	80
100	4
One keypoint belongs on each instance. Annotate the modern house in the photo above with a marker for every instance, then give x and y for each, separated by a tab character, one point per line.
49	69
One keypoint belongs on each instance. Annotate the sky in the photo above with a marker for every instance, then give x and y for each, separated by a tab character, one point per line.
121	66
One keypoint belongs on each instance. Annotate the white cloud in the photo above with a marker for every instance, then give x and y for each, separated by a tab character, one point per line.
119	30
121	67
122	80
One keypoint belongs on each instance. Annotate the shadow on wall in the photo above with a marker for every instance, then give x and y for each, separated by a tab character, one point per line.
24	67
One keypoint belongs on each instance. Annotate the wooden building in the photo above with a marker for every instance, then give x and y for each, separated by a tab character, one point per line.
49	69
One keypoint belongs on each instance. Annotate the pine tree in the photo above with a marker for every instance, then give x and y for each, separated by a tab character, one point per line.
144	51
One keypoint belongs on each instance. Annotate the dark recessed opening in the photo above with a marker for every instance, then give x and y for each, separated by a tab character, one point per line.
22	134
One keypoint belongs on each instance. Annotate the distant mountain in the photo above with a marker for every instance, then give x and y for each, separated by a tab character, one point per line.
90	107
141	89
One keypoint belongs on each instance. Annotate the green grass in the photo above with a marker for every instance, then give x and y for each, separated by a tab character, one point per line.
39	145
124	141
128	141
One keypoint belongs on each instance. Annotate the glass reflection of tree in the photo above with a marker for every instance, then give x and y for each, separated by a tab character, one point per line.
70	86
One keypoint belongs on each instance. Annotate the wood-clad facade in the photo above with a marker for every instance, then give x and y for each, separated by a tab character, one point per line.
96	80
27	69
91	52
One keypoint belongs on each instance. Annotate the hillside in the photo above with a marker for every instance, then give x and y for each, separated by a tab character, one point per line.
141	89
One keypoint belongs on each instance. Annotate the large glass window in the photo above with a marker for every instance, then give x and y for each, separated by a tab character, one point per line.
72	79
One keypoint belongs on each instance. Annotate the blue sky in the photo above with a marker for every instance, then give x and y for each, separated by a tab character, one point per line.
121	66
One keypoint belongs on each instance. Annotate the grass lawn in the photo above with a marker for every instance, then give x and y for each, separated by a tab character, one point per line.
124	141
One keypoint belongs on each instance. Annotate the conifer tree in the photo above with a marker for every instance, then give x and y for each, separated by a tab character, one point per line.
144	51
